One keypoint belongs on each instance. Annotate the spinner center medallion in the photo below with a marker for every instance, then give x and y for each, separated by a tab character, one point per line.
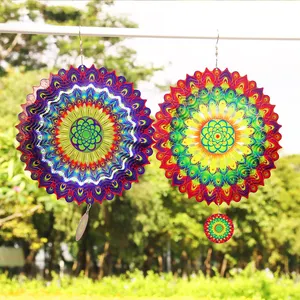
217	136
86	134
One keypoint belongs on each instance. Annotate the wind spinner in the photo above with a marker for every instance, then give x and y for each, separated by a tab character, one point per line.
217	139
85	134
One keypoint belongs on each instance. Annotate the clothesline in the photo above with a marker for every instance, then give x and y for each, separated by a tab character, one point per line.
45	29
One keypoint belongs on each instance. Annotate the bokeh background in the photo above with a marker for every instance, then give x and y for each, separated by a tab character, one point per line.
149	243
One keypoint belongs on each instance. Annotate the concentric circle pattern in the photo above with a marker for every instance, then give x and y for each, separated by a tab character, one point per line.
218	228
217	136
85	134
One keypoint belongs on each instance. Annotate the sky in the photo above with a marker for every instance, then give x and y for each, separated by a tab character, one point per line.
274	65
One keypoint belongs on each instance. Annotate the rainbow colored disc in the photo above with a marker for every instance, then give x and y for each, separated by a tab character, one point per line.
217	136
218	228
85	134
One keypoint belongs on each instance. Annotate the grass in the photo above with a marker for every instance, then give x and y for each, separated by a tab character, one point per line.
66	297
133	286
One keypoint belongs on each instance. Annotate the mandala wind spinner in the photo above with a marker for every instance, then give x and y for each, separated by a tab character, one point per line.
218	228
85	134
217	139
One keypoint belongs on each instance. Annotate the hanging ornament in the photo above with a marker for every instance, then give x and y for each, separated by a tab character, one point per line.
218	228
217	139
85	134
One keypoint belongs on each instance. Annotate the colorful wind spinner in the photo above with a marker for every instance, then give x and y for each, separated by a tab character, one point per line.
85	134
217	139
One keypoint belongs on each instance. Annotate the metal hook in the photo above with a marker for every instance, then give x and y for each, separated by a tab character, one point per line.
217	50
80	45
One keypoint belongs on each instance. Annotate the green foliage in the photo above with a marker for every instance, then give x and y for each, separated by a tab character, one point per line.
13	91
135	285
16	198
147	221
28	216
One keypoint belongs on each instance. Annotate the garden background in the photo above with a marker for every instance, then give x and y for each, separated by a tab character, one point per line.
151	228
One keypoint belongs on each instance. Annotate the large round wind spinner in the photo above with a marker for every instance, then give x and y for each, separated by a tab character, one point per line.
217	138
85	134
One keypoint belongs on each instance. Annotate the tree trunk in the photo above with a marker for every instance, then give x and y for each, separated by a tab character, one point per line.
207	263
50	248
83	255
118	266
52	253
169	258
286	265
160	263
29	267
257	258
102	261
74	267
149	260
184	261
223	267
87	263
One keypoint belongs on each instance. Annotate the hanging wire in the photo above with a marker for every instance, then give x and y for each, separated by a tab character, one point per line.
218	203
80	46
88	207
217	50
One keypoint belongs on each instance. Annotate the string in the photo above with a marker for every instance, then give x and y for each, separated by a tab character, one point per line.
80	46
217	50
88	208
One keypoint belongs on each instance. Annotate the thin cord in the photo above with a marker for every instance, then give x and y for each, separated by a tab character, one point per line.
217	50
80	46
88	207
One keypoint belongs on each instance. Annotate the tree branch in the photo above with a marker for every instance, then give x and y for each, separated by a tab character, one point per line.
18	215
11	47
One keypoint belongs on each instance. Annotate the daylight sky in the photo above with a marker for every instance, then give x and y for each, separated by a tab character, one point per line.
274	65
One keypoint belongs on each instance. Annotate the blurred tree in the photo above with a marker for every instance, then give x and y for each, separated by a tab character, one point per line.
18	205
35	51
152	226
52	222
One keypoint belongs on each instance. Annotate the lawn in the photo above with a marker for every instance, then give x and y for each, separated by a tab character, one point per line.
133	286
82	297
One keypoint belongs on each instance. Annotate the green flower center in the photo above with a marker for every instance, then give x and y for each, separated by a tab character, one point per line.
219	228
217	136
86	134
